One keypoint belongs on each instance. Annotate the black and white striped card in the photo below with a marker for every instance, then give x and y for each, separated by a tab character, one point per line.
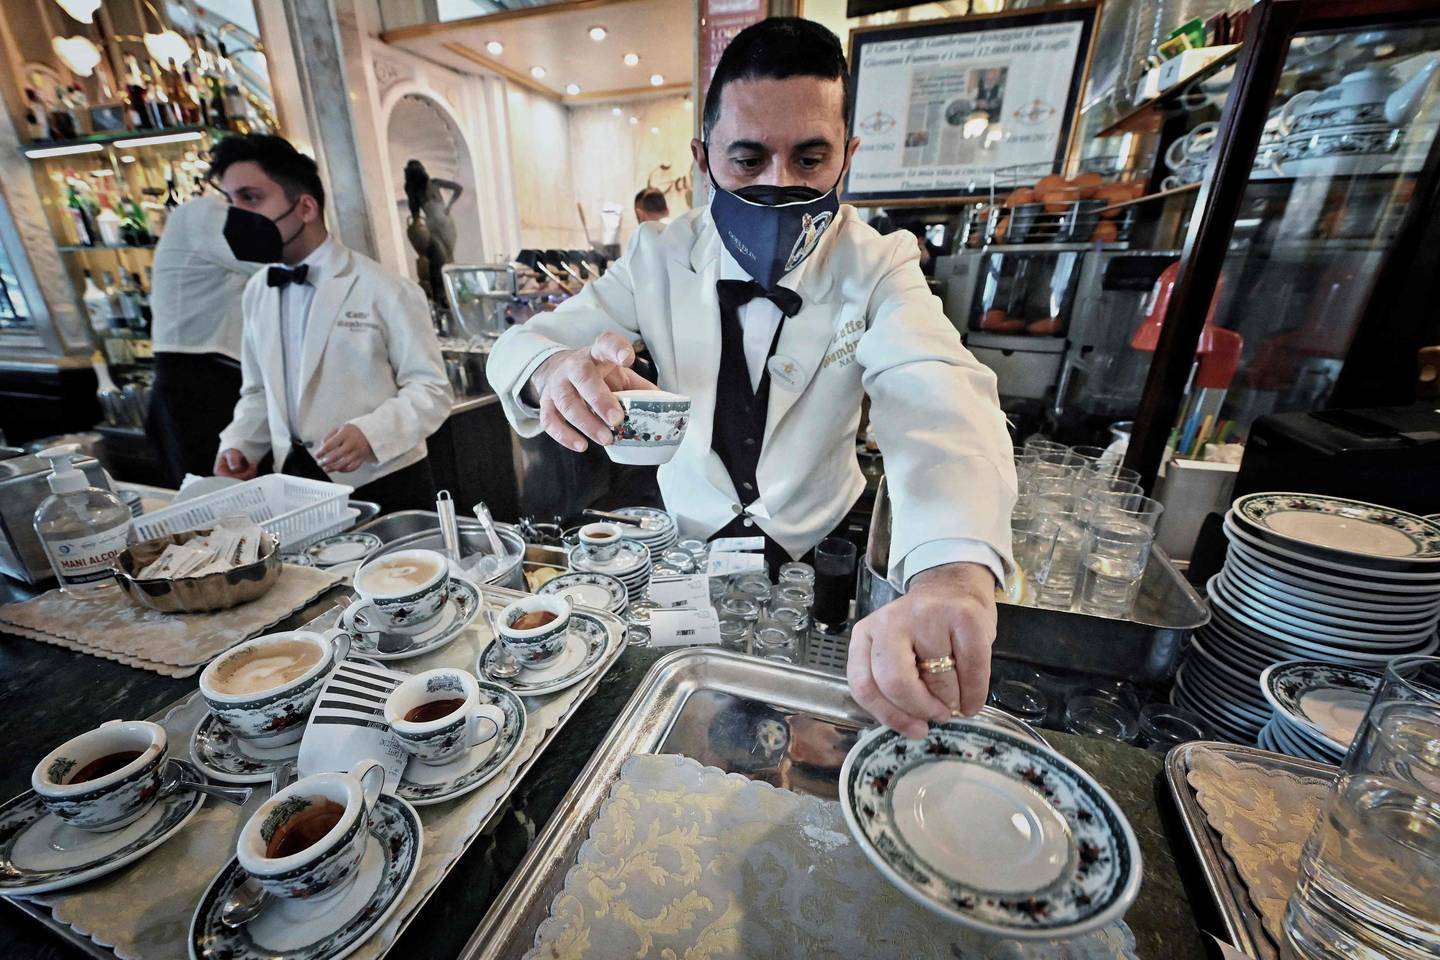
348	723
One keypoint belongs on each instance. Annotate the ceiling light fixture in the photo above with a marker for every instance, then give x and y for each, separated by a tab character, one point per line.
631	59
128	158
656	80
167	46
158	139
634	120
495	48
77	53
572	88
102	172
538	73
597	33
616	111
44	152
82	10
654	129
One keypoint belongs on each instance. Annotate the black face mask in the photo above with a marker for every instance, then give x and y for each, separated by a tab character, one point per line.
254	237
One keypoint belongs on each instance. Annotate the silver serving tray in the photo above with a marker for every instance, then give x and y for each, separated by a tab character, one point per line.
1242	921
191	708
709	705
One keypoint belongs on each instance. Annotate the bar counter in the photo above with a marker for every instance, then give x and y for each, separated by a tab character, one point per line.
50	694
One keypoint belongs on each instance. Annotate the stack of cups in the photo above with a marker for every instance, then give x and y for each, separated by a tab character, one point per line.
1370	871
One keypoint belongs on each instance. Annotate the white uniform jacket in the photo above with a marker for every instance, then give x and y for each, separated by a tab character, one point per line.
869	325
370	358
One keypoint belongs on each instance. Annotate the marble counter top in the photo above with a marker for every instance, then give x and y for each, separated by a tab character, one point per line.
50	694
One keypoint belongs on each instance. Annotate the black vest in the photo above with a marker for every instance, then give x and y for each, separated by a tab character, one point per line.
739	427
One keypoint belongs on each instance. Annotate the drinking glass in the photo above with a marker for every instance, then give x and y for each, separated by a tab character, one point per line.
1112	470
1117	550
1126	506
1090	457
1059	548
1093	483
1092	716
1021	700
1039	444
755	589
835	560
739	608
734	634
1058	464
718	588
800	595
797	572
775	643
1400	735
794	619
1163	726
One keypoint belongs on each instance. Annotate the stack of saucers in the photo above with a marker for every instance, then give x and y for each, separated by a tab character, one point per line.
630	564
1310	577
1318	707
657	529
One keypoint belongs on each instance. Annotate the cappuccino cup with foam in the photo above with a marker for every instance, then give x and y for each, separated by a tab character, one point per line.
401	592
264	689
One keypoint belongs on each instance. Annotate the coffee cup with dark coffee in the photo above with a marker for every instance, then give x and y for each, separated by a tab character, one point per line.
401	592
534	628
601	539
305	843
437	715
106	778
263	689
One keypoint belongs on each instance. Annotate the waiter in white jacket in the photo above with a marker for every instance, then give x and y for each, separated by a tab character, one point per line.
775	309
342	374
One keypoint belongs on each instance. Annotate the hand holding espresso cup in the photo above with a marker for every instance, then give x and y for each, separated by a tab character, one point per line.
575	390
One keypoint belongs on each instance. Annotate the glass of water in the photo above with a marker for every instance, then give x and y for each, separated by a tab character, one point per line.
1059	545
1400	735
1117	550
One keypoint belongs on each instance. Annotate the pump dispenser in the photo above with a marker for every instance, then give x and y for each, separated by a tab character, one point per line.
82	528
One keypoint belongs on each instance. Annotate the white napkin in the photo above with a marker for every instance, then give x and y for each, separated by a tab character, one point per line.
348	724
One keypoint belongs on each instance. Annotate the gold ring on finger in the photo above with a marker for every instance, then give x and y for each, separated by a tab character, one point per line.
936	664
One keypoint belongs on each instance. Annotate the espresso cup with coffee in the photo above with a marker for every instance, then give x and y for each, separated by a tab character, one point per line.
534	628
437	715
602	539
263	689
401	592
305	843
106	778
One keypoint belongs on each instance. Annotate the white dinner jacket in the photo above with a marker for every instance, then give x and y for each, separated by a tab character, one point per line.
370	358
869	325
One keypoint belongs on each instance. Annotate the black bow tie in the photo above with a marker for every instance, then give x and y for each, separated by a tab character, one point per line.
284	276
734	294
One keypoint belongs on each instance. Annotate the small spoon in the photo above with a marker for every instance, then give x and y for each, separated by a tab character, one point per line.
174	780
249	898
506	665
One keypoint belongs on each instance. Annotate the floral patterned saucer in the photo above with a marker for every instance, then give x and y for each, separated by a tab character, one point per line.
1340	529
326	931
423	784
598	590
990	830
586	643
459	610
219	753
1325	700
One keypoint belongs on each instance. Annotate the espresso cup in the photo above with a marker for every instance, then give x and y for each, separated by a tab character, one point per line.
264	689
438	715
305	843
401	592
653	427
106	778
601	539
535	646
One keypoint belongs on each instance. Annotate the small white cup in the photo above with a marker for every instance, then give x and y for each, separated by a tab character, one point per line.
326	867
536	646
406	611
443	739
115	799
653	427
601	539
277	716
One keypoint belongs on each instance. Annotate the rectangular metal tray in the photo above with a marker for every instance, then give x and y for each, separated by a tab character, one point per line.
769	721
495	597
1242	921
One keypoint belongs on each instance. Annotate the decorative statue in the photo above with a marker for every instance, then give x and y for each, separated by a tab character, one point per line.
431	229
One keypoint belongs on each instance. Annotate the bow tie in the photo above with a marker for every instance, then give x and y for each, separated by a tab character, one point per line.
734	294
283	276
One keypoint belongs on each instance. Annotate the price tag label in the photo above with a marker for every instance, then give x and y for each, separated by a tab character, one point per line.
684	628
728	564
691	592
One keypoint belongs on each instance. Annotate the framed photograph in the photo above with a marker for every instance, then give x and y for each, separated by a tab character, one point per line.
107	118
940	106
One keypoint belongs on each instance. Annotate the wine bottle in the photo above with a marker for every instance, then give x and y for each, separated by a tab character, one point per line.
129	297
138	113
87	233
112	298
97	306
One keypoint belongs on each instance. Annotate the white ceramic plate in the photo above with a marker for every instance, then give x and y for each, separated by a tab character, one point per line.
588	641
1269	617
1274	577
423	784
1276	639
631	560
341	548
1326	700
1275	603
462	605
224	757
991	831
1330	569
598	590
1340	527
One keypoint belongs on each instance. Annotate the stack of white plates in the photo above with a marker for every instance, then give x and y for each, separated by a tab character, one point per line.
1318	708
1310	577
630	564
657	529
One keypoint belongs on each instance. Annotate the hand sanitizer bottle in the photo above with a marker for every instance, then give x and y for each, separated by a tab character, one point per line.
82	528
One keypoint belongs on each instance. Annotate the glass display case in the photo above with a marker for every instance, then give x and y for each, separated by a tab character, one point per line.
1317	182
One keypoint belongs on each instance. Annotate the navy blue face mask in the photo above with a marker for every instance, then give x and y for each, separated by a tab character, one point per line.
770	230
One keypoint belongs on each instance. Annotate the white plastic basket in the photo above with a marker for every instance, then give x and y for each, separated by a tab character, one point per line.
295	509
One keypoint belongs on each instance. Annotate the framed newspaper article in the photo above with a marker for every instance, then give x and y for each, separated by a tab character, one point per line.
940	105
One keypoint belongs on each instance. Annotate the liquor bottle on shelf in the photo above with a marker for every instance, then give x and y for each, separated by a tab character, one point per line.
62	121
82	214
216	84
129	296
115	312
37	116
187	113
97	305
138	112
142	300
134	228
80	109
196	95
109	223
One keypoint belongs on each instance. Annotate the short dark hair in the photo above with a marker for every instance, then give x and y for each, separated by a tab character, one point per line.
652	201
775	49
295	172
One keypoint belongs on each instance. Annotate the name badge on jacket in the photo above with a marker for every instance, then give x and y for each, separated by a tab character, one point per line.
784	372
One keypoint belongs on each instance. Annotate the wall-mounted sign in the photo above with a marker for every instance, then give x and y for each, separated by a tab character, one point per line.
942	105
720	20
